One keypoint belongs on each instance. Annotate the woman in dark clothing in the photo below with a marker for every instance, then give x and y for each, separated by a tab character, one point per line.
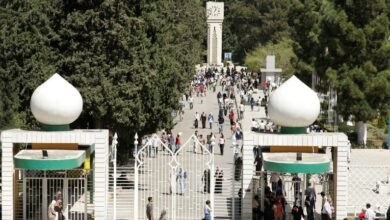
206	181
203	119
297	213
268	212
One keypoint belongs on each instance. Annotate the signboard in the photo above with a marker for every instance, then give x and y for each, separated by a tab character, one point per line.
228	56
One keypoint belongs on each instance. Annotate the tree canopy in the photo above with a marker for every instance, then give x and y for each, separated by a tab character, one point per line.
130	60
249	24
347	44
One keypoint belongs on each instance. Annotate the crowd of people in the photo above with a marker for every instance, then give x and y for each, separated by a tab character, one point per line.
205	138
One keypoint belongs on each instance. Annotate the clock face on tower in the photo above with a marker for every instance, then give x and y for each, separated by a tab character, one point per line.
213	11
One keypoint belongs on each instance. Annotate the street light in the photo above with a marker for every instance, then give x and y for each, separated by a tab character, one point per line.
113	159
136	141
135	151
136	175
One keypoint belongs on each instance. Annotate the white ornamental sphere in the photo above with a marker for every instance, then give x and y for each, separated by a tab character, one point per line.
293	104
56	102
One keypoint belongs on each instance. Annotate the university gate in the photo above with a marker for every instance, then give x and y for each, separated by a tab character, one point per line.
179	179
37	189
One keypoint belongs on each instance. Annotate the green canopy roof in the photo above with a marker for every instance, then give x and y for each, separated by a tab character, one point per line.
287	163
56	159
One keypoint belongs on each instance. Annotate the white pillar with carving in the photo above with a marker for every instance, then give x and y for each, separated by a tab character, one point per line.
215	15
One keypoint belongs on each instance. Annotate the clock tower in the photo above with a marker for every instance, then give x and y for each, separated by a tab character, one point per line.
214	13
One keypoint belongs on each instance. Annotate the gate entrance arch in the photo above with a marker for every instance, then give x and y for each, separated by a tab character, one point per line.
179	179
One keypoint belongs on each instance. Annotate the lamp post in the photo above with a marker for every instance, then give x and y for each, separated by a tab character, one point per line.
136	176
113	159
135	144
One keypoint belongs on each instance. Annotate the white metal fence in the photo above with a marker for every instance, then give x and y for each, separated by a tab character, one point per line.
125	193
176	177
368	184
36	189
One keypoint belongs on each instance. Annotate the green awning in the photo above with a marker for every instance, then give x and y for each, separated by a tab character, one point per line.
56	159
287	163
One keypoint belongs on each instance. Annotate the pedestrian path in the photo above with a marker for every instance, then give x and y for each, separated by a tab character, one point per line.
224	202
156	180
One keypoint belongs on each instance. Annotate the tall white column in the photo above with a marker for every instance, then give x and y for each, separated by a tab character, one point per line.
7	173
215	15
341	181
247	178
101	176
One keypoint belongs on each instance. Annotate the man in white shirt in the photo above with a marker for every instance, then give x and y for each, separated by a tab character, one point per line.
242	108
254	125
370	214
269	127
326	210
262	126
207	210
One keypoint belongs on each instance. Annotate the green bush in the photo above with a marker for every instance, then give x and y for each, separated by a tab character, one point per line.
382	122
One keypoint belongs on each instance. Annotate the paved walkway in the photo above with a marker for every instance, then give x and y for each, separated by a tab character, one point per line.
223	202
157	180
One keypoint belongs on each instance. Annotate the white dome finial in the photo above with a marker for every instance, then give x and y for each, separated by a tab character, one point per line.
56	102
293	104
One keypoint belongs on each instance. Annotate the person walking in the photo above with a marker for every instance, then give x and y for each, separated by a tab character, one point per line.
258	164
194	141
310	202
171	143
252	103
242	109
221	121
178	142
203	119
278	210
221	143
172	183
191	101
231	117
370	214
155	144
182	176
256	208
52	212
212	142
296	184
206	181
218	181
207	210
202	143
210	119
326	212
297	213
149	209
196	120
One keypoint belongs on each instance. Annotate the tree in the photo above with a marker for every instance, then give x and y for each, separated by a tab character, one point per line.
130	60
349	50
251	24
283	52
26	57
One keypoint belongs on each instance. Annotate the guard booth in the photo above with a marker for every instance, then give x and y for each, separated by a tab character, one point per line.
294	150
39	178
325	172
41	170
295	178
35	165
